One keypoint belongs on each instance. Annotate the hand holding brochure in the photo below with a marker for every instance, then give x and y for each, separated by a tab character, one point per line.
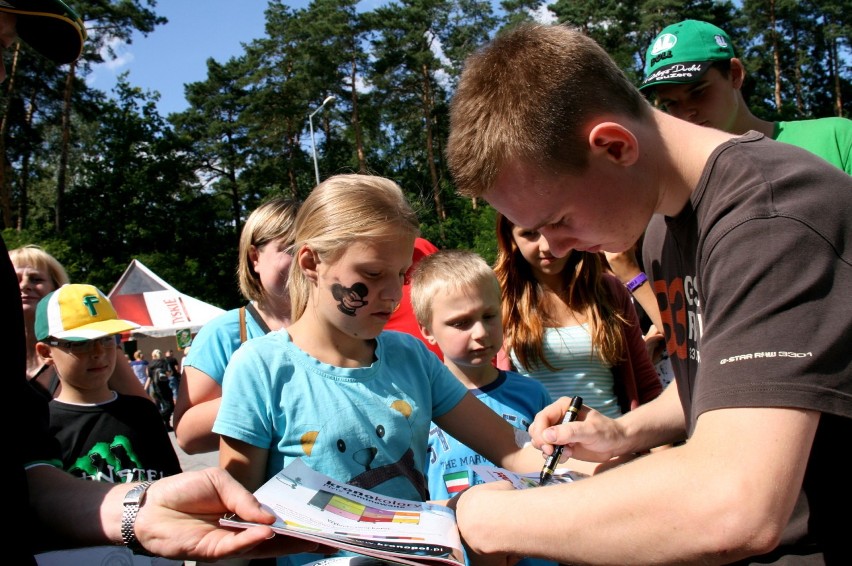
312	506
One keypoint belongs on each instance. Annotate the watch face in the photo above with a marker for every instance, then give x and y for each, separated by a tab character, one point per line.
136	496
132	501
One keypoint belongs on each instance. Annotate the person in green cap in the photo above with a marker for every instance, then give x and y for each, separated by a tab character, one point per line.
50	27
692	71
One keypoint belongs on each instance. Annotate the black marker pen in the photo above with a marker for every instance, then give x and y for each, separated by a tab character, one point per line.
553	460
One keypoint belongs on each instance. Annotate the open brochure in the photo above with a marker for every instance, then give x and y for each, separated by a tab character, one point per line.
312	506
524	481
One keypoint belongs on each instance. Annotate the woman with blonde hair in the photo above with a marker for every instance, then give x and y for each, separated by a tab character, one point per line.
262	271
570	325
140	367
39	274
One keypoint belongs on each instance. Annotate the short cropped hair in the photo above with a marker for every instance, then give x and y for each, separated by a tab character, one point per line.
447	270
270	221
34	256
529	95
345	210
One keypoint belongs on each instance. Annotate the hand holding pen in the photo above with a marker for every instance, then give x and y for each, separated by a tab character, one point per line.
553	460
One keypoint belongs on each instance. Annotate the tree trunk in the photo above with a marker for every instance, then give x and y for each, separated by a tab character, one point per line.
835	72
776	55
292	145
430	150
356	121
65	149
5	179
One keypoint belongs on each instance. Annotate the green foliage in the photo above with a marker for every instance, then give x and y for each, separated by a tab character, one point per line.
175	191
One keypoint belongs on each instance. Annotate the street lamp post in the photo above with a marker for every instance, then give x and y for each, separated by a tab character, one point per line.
313	141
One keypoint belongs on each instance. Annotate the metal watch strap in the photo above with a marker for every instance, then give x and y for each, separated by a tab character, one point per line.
134	499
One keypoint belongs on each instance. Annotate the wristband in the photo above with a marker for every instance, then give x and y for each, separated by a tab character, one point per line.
636	282
134	499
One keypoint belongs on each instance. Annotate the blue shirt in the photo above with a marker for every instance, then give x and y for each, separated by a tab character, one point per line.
217	341
366	426
514	397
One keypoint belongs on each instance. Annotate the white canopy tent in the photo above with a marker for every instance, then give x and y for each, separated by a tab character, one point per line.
160	310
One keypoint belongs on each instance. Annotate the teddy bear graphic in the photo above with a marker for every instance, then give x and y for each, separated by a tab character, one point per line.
379	455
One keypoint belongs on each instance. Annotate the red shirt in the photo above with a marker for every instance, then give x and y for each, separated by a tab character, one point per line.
403	319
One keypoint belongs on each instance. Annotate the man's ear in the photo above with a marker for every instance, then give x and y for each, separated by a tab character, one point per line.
45	351
737	74
614	142
308	262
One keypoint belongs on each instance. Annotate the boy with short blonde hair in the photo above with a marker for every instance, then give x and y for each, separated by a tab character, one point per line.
456	299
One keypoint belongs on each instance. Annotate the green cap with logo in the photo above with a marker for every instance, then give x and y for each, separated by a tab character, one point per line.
684	51
77	313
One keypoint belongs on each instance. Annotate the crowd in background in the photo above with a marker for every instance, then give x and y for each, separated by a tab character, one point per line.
489	357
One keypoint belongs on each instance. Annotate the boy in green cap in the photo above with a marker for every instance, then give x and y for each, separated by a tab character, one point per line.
105	436
693	72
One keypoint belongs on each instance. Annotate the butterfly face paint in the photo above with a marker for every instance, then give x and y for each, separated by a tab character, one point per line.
349	299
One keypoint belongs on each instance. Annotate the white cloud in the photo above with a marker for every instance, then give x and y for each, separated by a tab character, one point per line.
123	55
113	65
438	50
542	15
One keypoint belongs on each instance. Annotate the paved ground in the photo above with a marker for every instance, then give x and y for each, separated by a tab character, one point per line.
194	462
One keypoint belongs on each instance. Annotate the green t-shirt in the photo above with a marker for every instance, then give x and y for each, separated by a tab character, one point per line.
830	138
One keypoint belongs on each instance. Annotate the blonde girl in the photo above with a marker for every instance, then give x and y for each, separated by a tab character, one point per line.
333	389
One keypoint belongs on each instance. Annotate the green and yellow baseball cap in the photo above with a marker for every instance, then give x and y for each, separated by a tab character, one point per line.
684	51
76	313
48	26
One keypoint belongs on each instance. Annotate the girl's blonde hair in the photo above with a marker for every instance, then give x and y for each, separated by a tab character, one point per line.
345	210
34	256
525	314
270	221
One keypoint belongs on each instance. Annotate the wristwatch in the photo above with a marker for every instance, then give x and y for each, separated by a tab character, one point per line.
134	499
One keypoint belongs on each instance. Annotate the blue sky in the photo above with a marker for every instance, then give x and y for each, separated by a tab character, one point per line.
176	53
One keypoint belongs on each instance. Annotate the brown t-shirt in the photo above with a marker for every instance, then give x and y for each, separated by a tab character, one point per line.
754	282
